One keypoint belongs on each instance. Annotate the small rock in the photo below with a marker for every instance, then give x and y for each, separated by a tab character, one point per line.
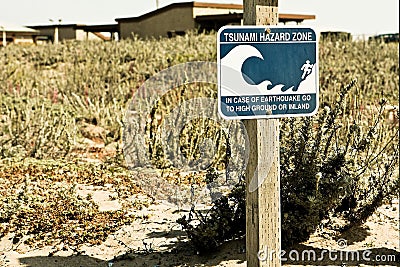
93	132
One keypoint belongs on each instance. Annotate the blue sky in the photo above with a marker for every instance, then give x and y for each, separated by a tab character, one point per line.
356	16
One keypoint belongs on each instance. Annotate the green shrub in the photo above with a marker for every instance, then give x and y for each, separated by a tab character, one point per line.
327	168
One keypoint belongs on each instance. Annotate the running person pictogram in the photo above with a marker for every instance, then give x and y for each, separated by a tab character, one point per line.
307	69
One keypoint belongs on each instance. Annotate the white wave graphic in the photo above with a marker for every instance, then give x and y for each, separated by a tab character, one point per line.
233	83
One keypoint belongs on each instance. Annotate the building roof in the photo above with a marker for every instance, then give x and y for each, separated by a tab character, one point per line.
49	26
217	5
88	28
284	17
182	4
9	27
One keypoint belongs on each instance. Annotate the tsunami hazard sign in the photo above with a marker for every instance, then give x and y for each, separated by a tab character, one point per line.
267	72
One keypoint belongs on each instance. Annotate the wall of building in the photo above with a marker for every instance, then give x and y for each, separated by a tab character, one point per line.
17	38
46	31
24	40
171	20
64	32
67	33
81	35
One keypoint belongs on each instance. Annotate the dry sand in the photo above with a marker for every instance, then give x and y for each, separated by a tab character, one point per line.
155	239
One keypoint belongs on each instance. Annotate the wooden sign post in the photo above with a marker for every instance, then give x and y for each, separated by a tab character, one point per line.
4	36
263	219
265	72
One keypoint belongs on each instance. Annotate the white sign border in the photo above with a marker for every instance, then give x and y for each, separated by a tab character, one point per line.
265	27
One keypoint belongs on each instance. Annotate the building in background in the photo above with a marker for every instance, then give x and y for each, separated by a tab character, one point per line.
178	18
75	32
386	38
16	34
174	19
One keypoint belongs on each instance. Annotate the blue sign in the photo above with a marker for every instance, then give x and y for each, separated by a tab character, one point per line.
267	72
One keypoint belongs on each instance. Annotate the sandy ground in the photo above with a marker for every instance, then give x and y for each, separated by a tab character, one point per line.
155	240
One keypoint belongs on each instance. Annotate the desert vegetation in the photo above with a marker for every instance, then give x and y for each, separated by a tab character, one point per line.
61	125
